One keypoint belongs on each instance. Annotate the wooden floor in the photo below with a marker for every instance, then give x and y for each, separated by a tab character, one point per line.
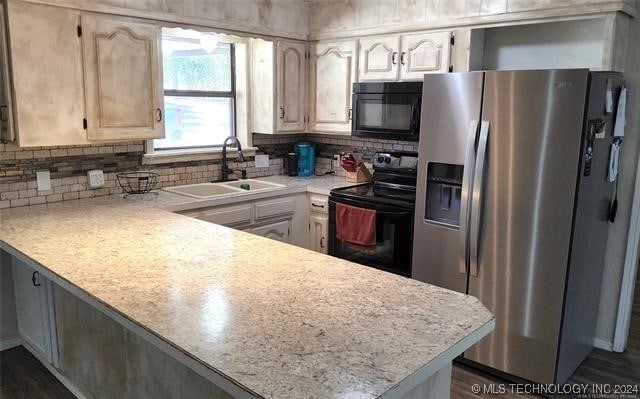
23	377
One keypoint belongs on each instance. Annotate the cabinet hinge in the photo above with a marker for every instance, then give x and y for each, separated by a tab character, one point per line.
453	40
450	68
79	30
84	123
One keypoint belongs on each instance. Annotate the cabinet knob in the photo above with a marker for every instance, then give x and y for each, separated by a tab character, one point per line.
35	279
159	112
281	112
393	57
321	242
402	57
350	114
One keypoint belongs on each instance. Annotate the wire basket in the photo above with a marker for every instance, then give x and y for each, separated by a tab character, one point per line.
137	182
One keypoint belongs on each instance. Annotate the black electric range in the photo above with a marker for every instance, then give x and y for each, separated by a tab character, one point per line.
392	195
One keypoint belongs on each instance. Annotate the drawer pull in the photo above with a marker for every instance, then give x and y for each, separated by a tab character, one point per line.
317	206
35	279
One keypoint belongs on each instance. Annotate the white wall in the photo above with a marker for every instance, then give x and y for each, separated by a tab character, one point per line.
571	44
616	246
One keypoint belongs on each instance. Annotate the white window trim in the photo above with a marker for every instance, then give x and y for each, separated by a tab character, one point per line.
153	157
190	154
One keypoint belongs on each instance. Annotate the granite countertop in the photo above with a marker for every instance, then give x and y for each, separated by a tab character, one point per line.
278	320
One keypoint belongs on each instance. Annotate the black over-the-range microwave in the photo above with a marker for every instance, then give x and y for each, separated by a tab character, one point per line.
387	110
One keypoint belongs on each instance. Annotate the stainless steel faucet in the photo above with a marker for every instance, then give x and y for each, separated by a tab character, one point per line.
225	168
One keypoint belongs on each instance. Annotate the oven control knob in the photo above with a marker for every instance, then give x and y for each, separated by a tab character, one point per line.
380	159
388	160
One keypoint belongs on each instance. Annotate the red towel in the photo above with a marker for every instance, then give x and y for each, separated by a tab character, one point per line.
356	225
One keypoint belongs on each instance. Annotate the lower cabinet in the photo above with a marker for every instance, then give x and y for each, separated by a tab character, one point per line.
318	228
282	218
280	231
35	311
318	223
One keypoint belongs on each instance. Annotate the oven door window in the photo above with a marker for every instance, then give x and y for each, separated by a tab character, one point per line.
392	252
386	113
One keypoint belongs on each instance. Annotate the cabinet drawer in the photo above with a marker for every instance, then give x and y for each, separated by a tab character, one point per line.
274	208
228	217
318	204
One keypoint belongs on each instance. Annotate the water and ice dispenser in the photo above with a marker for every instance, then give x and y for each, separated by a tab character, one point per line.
444	189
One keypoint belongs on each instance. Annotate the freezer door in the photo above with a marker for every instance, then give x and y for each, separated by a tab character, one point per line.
523	204
449	125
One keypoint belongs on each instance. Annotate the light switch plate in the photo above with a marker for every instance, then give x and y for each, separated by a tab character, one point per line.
262	161
43	178
95	178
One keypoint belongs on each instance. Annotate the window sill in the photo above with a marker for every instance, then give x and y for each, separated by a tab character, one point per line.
201	154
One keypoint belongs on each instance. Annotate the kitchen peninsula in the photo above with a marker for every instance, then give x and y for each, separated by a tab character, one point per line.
239	315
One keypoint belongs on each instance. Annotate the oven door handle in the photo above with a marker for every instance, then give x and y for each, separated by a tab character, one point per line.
386	213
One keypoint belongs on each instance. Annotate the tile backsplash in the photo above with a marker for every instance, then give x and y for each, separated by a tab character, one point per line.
68	165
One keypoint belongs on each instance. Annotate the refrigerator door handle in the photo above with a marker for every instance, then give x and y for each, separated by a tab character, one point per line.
467	179
476	199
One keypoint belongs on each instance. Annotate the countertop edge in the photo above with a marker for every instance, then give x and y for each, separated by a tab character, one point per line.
227	383
429	369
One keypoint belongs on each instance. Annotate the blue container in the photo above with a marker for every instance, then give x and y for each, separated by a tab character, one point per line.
306	158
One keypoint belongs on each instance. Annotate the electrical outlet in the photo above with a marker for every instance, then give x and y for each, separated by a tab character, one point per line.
95	178
262	161
43	178
336	157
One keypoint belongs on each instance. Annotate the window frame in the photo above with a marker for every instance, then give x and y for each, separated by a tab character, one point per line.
232	94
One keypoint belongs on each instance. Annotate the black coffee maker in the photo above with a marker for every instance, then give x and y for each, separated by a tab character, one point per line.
292	163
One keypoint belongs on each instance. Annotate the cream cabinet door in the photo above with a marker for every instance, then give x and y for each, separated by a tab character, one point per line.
123	78
424	53
46	62
6	107
276	231
378	58
333	70
291	69
318	231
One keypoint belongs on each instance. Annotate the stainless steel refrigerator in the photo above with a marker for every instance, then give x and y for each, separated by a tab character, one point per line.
512	207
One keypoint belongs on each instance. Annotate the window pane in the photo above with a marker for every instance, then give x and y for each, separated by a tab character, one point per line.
195	61
196	121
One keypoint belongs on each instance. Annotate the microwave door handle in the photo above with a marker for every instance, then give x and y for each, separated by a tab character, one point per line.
477	199
467	179
415	115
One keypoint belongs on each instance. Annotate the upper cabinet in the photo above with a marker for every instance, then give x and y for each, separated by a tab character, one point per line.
403	57
278	86
113	94
424	53
122	106
46	60
379	58
332	74
6	105
291	66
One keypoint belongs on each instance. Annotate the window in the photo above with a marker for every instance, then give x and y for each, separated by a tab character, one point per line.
199	89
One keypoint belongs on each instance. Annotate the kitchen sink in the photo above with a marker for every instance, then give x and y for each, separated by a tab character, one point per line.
254	185
224	189
204	190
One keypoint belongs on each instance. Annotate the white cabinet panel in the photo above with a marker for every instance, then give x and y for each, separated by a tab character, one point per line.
6	104
378	58
46	62
34	310
424	53
123	78
277	231
318	230
333	71
278	207
291	68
